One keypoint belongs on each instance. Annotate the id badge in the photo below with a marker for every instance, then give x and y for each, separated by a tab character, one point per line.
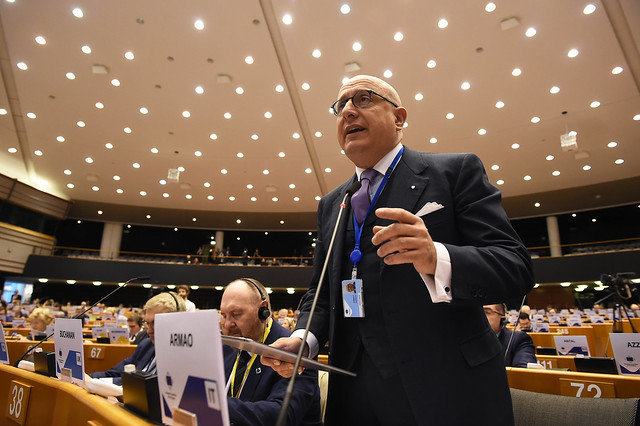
352	299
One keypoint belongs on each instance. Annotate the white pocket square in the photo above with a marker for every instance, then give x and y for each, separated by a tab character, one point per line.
430	207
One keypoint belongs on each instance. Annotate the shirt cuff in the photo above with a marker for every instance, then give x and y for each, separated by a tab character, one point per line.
439	285
312	341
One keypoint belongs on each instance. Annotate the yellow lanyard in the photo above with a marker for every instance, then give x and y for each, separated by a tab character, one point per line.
266	332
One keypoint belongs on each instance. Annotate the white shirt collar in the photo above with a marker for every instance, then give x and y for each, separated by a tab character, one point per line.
384	163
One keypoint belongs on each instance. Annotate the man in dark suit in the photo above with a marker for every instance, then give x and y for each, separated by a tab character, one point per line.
256	392
136	333
144	357
436	246
521	350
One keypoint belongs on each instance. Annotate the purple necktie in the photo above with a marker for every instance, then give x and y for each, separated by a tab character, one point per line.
360	201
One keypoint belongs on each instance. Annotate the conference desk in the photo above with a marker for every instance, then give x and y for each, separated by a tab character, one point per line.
571	383
97	356
27	398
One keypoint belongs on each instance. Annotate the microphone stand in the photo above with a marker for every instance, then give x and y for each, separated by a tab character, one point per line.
287	398
78	316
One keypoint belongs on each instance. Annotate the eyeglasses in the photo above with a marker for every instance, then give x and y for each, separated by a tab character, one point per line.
490	311
360	99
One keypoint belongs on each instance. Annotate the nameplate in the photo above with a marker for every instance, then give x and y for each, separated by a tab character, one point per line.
18	323
626	350
69	350
98	332
572	345
119	335
190	366
4	353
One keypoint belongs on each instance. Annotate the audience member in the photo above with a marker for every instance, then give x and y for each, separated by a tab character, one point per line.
144	357
517	346
524	322
256	392
183	291
136	333
40	318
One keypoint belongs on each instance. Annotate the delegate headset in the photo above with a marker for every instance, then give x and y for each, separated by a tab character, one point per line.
173	296
263	311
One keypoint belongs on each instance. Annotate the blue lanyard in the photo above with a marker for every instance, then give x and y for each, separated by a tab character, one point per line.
356	254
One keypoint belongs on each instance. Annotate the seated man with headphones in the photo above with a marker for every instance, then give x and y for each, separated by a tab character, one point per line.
517	346
256	392
144	357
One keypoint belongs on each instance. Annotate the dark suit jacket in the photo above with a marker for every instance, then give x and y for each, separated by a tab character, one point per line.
521	350
140	358
263	392
140	336
448	358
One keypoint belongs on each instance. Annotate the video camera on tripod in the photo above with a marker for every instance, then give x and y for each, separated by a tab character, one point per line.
621	283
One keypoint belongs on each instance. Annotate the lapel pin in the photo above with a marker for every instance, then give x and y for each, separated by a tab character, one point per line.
413	187
258	370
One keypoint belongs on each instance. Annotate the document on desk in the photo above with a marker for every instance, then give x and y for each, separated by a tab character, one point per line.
69	353
190	366
4	354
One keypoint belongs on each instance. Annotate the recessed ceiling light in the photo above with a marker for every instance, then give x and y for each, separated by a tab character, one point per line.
281	154
500	182
199	90
418	97
318	134
617	70
527	177
636	117
443	23
198	24
144	110
148	216
116	177
619	161
95	188
612	144
85	49
495	167
108	145
499	104
227	115
482	132
586	167
99	105
292	185
594	104
356	47
198	154
31	115
206	184
254	199
431	63
143	193
279	88
12	150
536	205
305	86
589	9
154	150
274	199
490	7
186	114
287	19
449	116
213	136
316	54
327	170
265	172
549	157
515	145
119	191
530	32
115	82
398	36
554	90
465	85
232	198
556	173
38	153
41	40
345	9
165	194
71	76
573	53
181	169
317	198
224	171
296	198
188	197
3	111
249	186
254	137
136	165
433	140
209	197
296	135
239	155
67	172
239	90
129	55
22	66
516	72
127	130
249	60
535	120
307	170
77	12
88	160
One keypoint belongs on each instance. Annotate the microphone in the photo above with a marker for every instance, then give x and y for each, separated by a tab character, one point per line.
287	398
79	315
506	352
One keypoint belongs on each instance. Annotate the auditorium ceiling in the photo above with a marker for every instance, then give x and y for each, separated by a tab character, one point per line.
215	114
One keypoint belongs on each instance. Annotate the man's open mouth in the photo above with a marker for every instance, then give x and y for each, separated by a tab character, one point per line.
355	130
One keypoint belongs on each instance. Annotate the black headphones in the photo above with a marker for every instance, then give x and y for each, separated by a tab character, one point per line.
172	294
263	312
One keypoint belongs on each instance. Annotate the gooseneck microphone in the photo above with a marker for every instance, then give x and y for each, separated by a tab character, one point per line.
79	315
287	398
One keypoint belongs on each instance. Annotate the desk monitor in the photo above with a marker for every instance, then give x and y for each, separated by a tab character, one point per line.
595	364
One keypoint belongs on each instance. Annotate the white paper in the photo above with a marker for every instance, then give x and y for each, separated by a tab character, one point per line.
119	335
626	350
572	345
18	323
190	366
4	353
69	352
540	327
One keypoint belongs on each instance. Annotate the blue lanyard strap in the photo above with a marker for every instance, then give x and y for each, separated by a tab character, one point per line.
356	255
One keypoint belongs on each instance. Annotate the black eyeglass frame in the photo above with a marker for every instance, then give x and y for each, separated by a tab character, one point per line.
351	98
